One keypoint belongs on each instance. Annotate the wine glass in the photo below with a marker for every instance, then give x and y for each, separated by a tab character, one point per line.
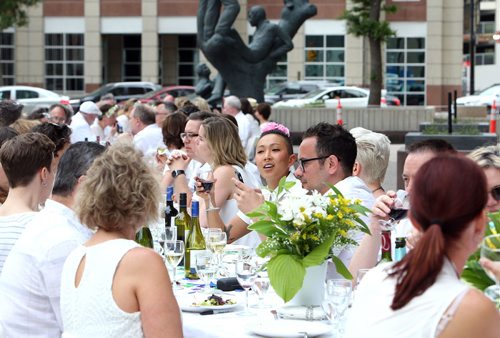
359	276
399	210
246	273
206	268
174	251
207	182
490	248
261	285
216	242
339	294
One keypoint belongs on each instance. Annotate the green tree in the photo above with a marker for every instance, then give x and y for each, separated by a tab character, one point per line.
13	12
363	20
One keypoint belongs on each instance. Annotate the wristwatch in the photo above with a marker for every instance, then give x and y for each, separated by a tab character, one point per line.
178	172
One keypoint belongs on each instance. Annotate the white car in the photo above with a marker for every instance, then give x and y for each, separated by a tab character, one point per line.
349	97
484	98
31	97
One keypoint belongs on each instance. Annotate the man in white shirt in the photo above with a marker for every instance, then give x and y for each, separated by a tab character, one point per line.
147	135
81	122
30	281
232	106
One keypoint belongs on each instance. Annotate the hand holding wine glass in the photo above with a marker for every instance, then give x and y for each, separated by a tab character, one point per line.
207	181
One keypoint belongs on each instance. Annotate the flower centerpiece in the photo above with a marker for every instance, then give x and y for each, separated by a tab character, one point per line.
301	230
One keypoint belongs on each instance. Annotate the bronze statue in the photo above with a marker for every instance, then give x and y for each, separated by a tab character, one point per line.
244	68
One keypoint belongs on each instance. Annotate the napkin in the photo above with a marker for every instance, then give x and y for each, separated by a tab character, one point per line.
301	312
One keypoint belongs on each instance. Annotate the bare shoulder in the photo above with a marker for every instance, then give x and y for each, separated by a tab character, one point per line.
476	316
142	259
224	171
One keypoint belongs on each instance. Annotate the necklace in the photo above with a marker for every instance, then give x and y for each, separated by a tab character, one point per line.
377	189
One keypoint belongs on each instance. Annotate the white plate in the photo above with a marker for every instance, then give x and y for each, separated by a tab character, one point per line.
290	328
187	304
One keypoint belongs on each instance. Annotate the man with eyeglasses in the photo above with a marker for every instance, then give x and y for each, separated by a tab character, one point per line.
60	114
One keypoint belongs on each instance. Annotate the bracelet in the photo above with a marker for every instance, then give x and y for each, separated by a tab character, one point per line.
212	209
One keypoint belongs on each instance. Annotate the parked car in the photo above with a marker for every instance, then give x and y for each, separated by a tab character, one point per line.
484	98
350	96
31	97
293	90
121	91
159	95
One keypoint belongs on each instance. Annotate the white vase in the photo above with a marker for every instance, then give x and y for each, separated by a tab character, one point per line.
313	288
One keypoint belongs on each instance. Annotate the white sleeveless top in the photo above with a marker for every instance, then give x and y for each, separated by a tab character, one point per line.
89	310
371	315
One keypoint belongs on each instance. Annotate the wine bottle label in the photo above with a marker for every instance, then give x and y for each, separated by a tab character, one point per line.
386	241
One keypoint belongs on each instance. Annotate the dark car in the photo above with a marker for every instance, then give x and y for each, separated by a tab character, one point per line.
293	90
159	95
121	91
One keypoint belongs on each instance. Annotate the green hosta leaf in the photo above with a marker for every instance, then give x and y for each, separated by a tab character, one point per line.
318	254
267	228
341	268
286	274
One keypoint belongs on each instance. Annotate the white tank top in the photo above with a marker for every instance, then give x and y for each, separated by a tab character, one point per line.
89	310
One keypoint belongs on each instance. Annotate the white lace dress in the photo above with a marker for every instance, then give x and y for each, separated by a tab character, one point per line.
89	310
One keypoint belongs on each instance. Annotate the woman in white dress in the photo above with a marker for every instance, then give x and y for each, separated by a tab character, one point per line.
111	286
422	295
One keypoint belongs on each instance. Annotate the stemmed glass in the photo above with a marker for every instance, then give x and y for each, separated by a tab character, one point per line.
359	276
206	268
399	210
246	273
216	242
490	249
260	287
337	298
207	182
174	251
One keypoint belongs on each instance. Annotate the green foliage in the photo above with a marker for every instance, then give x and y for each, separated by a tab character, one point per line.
361	23
301	230
13	12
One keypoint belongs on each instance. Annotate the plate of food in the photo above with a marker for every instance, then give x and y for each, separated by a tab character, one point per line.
212	302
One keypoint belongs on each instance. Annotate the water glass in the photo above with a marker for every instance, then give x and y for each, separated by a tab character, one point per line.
490	248
261	286
246	273
206	268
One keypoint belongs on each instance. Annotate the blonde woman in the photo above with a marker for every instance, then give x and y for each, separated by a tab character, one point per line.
219	145
111	286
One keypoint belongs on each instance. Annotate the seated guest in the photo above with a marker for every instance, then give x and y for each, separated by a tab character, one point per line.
59	134
81	122
372	158
262	113
422	295
117	300
488	158
27	160
60	113
6	133
31	278
172	128
147	136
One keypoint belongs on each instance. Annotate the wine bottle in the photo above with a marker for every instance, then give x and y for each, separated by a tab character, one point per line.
170	210
182	220
144	237
195	243
386	247
400	250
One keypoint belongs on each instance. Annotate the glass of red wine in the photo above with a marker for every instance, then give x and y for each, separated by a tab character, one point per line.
207	182
399	210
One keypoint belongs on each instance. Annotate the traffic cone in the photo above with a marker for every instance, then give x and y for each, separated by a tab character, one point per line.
493	117
339	113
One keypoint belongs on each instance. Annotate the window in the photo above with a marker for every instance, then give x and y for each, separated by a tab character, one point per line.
7	57
405	69
279	73
26	94
187	59
324	58
64	62
4	94
131	57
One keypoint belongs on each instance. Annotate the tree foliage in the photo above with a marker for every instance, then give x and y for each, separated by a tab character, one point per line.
13	12
363	20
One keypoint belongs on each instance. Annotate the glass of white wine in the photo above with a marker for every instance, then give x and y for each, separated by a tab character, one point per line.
206	268
490	248
216	242
174	251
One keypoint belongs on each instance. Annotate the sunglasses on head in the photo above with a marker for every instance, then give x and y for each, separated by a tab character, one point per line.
495	193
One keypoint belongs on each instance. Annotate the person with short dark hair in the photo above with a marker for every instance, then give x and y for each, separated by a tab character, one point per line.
60	113
27	160
6	133
118	299
10	112
162	110
172	128
39	114
262	113
422	295
30	280
147	135
59	134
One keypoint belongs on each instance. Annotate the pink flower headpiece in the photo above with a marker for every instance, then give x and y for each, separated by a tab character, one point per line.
276	126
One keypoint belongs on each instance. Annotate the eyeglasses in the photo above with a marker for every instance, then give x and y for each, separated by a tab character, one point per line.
188	135
495	193
303	161
57	120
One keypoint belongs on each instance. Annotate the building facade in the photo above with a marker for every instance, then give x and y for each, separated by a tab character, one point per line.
75	46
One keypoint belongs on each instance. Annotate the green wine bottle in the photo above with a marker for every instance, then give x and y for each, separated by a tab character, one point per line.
144	238
386	247
195	243
182	221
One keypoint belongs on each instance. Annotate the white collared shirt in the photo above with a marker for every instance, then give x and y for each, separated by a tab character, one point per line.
30	281
80	129
149	139
243	128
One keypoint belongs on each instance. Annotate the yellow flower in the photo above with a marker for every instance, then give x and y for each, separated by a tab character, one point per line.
343	233
340	214
318	215
329	217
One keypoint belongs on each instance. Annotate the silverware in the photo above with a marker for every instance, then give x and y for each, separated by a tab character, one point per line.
275	314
